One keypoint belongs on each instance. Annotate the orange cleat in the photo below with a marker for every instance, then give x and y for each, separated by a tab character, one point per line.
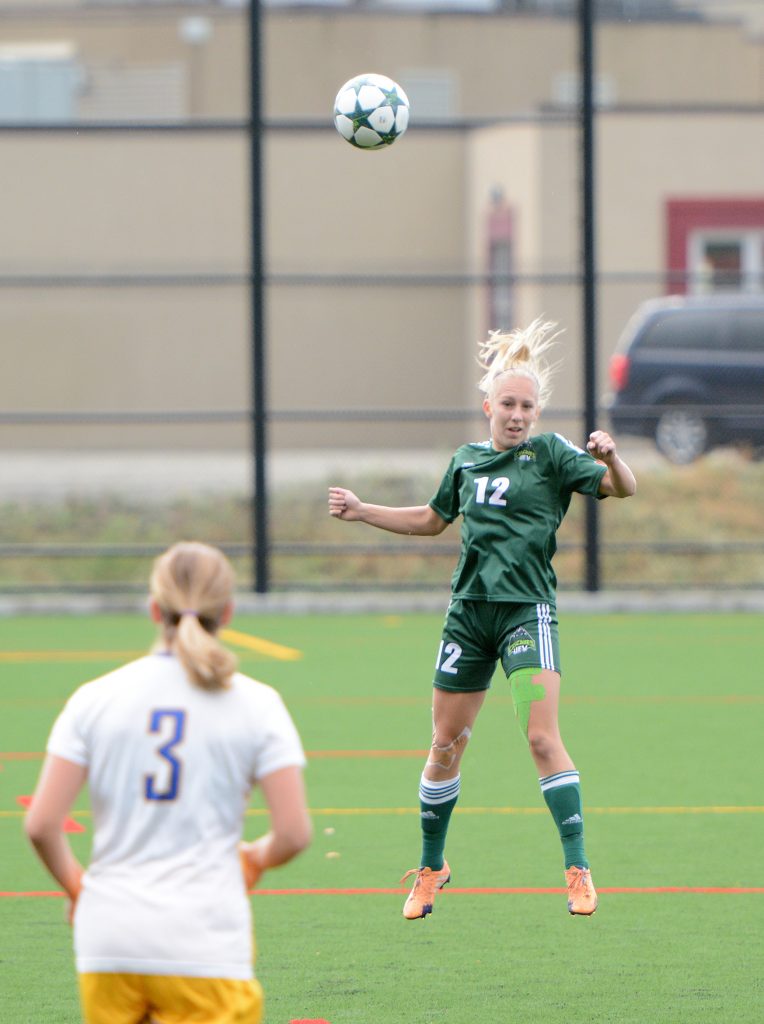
422	896
582	898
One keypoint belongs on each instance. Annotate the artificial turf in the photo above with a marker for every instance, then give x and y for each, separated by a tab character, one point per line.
663	716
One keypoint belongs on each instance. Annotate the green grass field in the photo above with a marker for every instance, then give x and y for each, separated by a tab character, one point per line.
664	717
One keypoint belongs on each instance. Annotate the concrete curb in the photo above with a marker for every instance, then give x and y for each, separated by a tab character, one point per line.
388	603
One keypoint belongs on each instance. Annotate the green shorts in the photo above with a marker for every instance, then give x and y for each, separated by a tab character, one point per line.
476	634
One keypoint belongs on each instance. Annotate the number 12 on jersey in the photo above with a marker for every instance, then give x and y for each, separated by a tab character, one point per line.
499	487
170	724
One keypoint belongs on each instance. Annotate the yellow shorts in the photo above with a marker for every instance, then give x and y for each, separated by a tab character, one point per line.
160	999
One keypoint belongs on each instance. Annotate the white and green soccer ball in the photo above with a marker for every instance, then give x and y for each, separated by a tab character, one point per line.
371	111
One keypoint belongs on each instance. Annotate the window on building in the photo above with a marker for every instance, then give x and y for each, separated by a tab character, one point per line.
433	93
38	82
500	264
715	245
728	261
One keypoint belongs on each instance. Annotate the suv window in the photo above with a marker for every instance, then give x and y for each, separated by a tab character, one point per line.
748	330
685	330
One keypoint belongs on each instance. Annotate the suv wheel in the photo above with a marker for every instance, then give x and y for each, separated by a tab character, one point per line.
682	436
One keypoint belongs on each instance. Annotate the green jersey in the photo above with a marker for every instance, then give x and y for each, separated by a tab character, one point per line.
512	504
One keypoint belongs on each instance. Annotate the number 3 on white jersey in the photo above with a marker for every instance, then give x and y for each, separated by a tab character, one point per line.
500	485
172	723
452	654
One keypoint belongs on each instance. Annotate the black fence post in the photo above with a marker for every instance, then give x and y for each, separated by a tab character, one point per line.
586	19
260	546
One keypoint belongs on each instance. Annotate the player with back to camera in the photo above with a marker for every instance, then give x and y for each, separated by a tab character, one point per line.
170	746
512	492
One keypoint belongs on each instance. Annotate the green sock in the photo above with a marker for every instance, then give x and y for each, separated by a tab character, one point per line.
436	802
562	793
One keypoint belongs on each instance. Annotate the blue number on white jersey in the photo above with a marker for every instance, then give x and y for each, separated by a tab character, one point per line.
170	723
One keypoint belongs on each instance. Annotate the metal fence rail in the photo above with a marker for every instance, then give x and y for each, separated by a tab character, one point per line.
433	549
430	552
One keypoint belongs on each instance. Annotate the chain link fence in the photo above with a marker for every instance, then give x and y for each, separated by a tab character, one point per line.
127	416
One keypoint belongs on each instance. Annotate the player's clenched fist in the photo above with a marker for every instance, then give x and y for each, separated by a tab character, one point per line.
601	445
343	503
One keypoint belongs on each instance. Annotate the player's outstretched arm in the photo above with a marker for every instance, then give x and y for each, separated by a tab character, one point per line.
419	520
291	829
618	481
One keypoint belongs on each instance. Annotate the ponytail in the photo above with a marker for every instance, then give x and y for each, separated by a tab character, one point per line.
522	352
193	584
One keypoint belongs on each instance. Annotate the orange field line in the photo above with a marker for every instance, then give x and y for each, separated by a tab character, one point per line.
635	699
365	753
315	755
520	890
634	890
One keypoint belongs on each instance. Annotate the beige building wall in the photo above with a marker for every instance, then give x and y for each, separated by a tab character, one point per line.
177	204
505	64
364	344
535	170
138	205
498	63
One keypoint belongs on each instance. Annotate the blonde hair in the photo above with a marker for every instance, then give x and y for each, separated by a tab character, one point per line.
521	352
193	583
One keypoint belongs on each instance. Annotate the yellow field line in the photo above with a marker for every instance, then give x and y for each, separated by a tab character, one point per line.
419	700
231	636
534	810
256	812
256	643
26	656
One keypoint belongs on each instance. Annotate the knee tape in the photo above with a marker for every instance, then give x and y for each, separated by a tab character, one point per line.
524	691
444	757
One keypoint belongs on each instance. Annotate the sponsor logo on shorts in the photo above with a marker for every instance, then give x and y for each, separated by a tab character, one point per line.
520	642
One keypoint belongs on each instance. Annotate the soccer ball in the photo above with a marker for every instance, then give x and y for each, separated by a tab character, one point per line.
371	111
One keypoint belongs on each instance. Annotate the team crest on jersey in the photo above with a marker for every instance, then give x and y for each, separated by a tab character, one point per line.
520	642
525	454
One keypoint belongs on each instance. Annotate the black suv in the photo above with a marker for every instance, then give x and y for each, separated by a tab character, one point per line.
689	372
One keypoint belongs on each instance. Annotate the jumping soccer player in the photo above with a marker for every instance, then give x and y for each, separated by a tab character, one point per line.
170	747
512	492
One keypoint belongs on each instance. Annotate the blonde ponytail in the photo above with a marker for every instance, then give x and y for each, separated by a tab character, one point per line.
523	352
193	584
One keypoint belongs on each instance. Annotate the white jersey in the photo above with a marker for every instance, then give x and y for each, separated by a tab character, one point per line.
170	769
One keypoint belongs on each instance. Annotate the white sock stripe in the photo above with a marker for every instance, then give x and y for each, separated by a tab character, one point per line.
435	801
544	620
439	792
559	775
561	779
